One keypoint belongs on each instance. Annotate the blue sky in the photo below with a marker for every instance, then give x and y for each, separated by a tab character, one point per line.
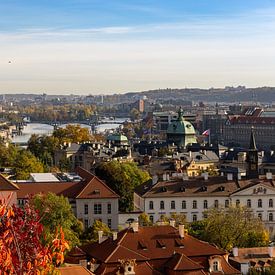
96	46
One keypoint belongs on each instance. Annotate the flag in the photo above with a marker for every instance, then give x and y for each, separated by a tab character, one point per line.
206	133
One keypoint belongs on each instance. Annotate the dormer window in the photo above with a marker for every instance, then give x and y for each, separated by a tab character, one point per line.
97	191
161	244
215	266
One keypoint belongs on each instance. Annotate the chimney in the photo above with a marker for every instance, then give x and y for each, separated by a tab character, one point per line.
268	176
115	149
114	235
172	223
229	176
235	251
181	230
134	225
100	236
164	177
270	251
239	176
167	177
205	176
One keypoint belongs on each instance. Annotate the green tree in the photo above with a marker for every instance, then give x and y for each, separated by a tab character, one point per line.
91	234
233	226
144	219
25	163
56	211
123	178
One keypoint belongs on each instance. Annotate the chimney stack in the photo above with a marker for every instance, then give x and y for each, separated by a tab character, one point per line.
205	176
235	251
181	230
100	236
172	223
270	251
114	235
229	176
134	225
269	176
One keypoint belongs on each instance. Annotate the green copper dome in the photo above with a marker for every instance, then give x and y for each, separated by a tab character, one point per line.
181	131
181	126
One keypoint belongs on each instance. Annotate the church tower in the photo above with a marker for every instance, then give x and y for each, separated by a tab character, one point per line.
252	158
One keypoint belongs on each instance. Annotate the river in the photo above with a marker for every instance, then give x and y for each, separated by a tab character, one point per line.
45	129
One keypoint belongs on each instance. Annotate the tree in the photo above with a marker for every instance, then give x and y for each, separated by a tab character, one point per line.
144	219
233	226
91	234
22	249
72	133
26	163
58	213
134	114
123	178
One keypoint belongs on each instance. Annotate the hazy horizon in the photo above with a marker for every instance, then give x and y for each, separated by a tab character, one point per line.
97	47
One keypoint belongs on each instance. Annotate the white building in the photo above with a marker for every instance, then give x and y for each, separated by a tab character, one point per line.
91	199
192	197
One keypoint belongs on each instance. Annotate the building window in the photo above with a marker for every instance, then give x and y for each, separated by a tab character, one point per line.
195	218
270	217
109	208
248	203
183	204
205	215
151	218
151	205
86	209
173	205
226	203
194	204
109	223
237	203
205	204
260	203
86	224
97	208
215	266
270	203
216	203
161	206
260	216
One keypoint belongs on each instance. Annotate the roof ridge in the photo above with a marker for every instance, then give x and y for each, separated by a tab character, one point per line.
87	184
9	182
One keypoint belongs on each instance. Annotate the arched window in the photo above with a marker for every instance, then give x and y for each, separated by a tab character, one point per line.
248	203
205	204
194	204
215	266
226	203
270	217
173	205
260	203
237	203
151	205
195	218
260	216
183	204
216	203
270	203
161	205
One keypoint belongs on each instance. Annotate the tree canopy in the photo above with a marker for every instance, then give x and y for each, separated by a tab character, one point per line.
56	211
123	178
22	246
91	234
229	227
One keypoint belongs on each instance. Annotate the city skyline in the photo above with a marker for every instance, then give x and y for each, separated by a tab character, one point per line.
100	47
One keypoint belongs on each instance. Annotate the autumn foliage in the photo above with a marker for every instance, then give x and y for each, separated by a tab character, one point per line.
23	249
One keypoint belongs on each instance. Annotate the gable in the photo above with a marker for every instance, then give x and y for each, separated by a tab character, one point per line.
259	189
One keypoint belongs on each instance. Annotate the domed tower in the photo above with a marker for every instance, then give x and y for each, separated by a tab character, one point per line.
181	132
252	158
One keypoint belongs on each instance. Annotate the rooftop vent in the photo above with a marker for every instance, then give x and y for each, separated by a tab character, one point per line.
221	188
182	189
204	188
164	189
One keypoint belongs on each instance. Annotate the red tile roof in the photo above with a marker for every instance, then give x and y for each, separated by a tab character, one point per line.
192	255
251	120
90	187
74	270
7	185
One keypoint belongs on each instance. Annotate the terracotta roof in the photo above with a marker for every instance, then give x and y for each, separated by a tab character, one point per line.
252	120
157	247
198	187
7	185
74	270
90	187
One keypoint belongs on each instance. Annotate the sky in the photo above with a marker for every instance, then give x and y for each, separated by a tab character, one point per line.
117	46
